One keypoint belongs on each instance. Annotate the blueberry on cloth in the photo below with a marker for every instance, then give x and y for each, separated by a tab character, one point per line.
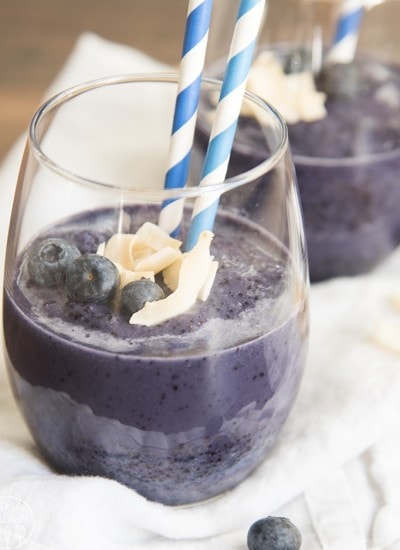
92	278
134	295
48	260
273	533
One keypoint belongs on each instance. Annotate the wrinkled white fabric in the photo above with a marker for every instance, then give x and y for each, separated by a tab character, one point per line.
335	471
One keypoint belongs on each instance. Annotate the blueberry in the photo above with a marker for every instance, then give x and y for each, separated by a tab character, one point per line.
48	260
273	533
340	80
92	278
88	240
134	295
297	61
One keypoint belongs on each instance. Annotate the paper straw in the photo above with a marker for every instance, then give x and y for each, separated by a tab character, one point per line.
240	56
191	68
347	30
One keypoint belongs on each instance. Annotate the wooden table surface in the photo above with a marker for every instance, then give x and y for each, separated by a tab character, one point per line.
36	37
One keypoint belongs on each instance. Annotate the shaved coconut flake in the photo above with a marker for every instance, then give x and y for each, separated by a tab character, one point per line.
193	276
151	250
171	277
387	336
159	260
293	95
142	253
101	249
127	276
171	273
395	300
119	249
206	288
152	236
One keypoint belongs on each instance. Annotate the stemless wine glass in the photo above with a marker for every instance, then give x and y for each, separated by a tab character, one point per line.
185	408
347	162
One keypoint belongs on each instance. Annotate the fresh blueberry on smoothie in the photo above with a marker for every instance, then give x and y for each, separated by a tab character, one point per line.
91	278
48	260
134	295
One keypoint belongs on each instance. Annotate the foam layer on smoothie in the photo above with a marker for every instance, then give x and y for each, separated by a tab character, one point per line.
247	286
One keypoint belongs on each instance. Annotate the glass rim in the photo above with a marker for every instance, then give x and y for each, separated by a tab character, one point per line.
67	94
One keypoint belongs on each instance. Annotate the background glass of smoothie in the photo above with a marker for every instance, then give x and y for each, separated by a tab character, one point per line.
185	409
348	162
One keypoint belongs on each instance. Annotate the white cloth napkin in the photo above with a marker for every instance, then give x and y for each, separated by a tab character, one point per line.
335	471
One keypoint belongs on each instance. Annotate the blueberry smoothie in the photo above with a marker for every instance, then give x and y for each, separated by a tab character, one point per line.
347	163
347	166
179	411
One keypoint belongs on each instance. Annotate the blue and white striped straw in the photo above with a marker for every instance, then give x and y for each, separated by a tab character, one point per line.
240	56
191	68
347	31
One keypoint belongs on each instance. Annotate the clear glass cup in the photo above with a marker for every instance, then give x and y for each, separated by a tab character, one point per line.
182	410
347	163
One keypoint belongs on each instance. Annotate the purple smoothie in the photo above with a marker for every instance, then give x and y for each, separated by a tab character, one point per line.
347	167
102	397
